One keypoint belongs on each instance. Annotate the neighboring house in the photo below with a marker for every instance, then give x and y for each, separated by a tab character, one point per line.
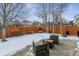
36	23
14	23
71	22
77	20
26	23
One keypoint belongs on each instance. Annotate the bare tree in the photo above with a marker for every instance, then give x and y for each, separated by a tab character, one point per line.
42	12
52	12
62	7
9	12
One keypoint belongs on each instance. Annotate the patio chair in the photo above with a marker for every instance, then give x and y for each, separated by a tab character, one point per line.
41	50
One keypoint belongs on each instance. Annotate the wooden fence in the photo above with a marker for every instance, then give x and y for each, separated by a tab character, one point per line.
16	31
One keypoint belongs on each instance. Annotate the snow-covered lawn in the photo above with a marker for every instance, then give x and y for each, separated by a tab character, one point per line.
16	43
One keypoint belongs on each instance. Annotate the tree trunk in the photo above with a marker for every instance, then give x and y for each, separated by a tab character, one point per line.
53	27
4	24
60	25
53	21
4	34
50	27
47	30
60	28
46	24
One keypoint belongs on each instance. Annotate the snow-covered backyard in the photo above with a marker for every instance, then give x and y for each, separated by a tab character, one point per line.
17	43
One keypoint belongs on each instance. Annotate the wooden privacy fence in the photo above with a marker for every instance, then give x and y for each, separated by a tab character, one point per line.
66	29
16	31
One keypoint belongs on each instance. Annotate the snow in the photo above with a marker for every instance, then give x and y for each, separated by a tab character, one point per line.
17	43
30	52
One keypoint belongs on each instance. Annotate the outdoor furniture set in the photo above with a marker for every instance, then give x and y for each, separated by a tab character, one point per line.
43	49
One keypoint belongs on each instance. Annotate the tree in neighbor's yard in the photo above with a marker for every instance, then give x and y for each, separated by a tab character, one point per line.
42	13
52	12
62	7
9	12
48	11
56	10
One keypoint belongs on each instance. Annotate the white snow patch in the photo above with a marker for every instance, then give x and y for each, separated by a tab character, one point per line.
17	43
77	44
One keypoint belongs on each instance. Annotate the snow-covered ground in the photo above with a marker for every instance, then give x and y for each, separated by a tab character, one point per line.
16	43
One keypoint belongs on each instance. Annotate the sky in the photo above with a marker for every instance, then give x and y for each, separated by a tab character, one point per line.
73	9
